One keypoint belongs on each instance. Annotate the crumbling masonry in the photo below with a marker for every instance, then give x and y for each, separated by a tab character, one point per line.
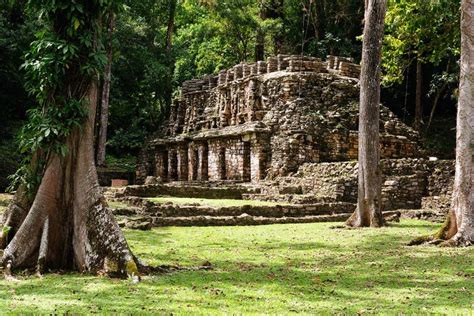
265	120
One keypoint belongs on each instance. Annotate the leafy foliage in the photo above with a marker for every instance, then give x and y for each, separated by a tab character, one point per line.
16	32
207	36
63	62
427	30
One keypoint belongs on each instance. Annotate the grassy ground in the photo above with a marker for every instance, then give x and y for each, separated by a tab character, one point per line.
211	202
307	268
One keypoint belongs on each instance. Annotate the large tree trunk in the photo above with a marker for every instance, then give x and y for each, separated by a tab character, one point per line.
458	229
418	96
460	225
104	108
368	212
68	224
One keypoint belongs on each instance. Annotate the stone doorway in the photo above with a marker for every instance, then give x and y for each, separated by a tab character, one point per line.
222	164
195	165
204	167
246	165
162	172
173	166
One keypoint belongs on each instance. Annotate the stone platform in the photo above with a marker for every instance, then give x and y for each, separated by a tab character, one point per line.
149	214
414	188
282	131
260	121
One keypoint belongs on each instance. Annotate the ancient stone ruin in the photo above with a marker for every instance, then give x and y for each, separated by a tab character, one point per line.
264	120
281	132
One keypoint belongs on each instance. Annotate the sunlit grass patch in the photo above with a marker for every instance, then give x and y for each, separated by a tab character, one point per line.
274	269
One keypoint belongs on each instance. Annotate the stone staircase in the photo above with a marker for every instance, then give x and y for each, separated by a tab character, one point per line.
208	190
141	213
318	192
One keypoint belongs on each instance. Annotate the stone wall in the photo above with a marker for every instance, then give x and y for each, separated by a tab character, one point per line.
226	159
406	183
105	176
218	190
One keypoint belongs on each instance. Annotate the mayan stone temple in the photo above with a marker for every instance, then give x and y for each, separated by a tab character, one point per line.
263	120
282	133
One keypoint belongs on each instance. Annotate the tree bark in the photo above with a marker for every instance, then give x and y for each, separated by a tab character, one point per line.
458	229
275	11
320	23
104	108
170	27
369	212
461	225
260	37
418	97
68	225
438	95
168	93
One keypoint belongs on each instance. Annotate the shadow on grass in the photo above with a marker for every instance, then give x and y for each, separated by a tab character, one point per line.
345	272
421	224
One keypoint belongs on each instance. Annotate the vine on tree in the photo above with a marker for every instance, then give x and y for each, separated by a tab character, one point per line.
62	62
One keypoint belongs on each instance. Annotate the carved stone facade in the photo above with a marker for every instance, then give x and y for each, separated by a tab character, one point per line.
264	120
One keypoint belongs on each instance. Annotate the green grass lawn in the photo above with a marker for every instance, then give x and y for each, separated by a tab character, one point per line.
277	269
210	202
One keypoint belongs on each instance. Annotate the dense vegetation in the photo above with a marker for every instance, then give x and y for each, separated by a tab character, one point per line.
157	44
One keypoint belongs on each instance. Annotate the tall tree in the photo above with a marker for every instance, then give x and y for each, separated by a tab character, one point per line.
368	212
260	37
458	229
105	99
63	222
418	97
170	26
169	53
421	37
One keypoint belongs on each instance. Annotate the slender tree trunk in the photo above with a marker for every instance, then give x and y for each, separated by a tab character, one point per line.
276	12
438	95
458	229
169	52
368	212
170	27
104	108
260	45
419	94
320	27
461	224
260	37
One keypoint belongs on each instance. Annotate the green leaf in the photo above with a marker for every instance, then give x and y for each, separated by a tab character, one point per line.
77	23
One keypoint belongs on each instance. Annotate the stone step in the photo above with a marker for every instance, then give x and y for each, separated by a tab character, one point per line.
289	198
230	191
266	211
147	222
140	206
243	219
